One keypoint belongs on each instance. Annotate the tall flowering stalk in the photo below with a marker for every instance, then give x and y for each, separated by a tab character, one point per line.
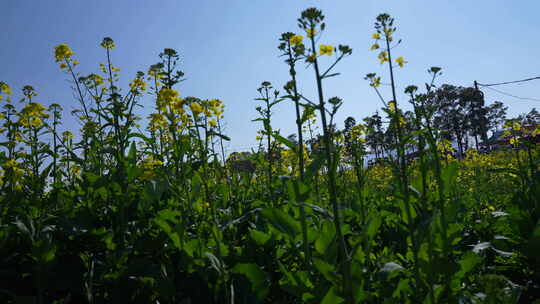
293	49
384	33
311	21
270	99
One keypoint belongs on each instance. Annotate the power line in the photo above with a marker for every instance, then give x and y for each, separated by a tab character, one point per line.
511	95
509	82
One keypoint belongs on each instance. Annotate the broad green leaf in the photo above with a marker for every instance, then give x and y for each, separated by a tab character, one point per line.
259	237
257	278
281	221
331	297
285	141
326	237
327	270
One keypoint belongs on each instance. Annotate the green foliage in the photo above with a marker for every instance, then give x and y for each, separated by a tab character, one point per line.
119	214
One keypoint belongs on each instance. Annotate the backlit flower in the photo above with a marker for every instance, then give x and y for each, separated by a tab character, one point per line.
400	61
326	49
296	40
62	52
383	57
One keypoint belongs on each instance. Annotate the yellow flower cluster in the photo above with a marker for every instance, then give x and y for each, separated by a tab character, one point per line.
169	99
67	135
5	89
108	43
215	108
296	40
326	49
375	82
32	115
157	122
311	33
138	85
149	164
400	61
392	106
16	170
62	52
211	108
383	57
94	80
196	108
445	147
357	133
388	33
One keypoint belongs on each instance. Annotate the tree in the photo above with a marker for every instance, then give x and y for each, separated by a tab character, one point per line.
476	113
531	118
451	116
496	115
375	134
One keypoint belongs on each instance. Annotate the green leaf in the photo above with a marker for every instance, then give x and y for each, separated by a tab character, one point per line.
327	270
314	167
224	137
285	141
326	237
330	75
281	221
259	237
132	154
257	278
298	191
449	174
373	227
331	297
467	263
139	135
43	251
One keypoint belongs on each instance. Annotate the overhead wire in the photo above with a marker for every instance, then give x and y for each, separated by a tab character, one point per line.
489	86
511	95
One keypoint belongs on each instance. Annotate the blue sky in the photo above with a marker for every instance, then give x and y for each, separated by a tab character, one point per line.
229	47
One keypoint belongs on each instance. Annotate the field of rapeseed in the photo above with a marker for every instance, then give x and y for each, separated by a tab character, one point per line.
150	209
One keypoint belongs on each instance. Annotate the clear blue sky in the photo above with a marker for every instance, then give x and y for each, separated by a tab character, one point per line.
229	47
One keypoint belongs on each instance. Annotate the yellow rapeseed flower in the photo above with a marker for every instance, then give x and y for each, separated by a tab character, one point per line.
374	46
108	43
296	40
392	106
311	32
196	108
138	85
168	98
67	135
514	141
326	49
10	163
400	61
383	57
36	122
376	82
376	36
4	88
62	52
